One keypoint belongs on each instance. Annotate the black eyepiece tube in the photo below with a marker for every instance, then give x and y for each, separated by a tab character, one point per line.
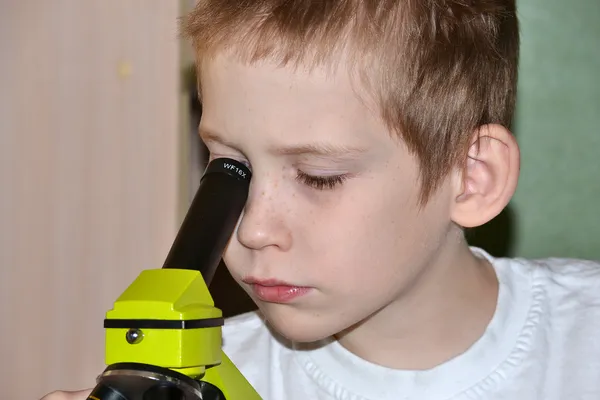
211	218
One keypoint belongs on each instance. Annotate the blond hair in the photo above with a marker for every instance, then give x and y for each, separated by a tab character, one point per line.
438	70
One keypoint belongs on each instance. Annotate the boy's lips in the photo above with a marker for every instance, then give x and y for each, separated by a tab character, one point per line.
274	290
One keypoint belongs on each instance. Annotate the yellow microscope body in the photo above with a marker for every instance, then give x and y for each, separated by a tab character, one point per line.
163	334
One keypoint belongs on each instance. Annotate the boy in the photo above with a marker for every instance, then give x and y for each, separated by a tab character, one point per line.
377	132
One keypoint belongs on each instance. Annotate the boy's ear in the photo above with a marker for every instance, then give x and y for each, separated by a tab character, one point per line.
487	179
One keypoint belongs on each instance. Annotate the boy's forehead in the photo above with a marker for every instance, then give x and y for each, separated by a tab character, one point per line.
332	73
265	81
317	89
283	100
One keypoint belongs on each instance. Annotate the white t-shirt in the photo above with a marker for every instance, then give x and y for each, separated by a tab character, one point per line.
543	343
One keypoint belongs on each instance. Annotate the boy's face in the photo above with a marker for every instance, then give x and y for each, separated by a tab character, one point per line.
332	218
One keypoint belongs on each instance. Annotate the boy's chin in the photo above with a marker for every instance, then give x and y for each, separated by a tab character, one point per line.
299	327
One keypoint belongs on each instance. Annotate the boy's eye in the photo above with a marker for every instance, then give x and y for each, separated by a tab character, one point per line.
321	182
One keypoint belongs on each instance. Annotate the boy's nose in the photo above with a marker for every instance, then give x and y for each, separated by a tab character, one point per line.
262	225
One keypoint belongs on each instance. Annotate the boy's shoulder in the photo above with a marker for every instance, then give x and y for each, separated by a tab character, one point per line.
247	335
252	322
561	300
250	318
561	267
558	337
565	273
261	355
242	329
554	283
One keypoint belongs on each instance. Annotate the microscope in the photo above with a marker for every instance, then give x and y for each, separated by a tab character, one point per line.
163	334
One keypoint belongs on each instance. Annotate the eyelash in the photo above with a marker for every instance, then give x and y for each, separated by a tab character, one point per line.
321	182
315	182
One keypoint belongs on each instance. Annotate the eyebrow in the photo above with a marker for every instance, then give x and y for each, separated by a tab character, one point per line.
320	149
324	149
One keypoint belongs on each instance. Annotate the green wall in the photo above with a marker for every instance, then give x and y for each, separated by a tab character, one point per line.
556	210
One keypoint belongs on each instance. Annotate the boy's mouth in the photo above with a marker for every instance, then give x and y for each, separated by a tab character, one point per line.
275	291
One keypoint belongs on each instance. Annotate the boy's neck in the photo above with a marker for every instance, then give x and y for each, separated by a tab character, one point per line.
439	317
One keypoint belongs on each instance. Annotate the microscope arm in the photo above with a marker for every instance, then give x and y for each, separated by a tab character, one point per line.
228	379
